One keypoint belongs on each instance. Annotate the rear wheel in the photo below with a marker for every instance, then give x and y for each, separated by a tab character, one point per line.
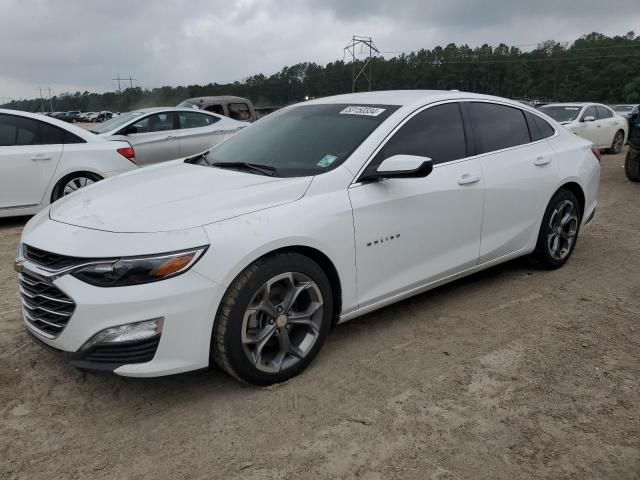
558	231
273	319
632	164
72	183
617	143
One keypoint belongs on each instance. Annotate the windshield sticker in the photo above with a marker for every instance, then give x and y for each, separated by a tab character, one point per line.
368	111
326	160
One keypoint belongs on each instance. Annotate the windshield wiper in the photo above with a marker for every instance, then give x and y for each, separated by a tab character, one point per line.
254	167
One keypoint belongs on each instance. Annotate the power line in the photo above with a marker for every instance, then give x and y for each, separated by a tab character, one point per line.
120	79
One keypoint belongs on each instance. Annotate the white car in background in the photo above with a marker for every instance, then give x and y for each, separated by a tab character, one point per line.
593	121
316	214
43	159
168	133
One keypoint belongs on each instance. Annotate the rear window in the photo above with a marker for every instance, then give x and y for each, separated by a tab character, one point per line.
498	126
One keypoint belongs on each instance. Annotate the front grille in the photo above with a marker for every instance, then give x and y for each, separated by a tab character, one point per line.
51	261
123	353
45	306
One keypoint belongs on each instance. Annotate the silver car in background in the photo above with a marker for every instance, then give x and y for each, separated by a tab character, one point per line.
167	133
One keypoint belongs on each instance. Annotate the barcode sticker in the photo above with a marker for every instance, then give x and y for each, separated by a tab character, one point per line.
368	111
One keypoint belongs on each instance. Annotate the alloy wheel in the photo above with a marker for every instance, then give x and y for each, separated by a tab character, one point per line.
76	183
282	322
617	142
563	227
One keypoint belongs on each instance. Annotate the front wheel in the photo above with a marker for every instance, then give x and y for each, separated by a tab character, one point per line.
632	164
558	231
73	182
618	142
273	319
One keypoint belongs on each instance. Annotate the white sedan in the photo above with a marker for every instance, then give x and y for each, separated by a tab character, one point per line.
167	133
593	121
324	211
42	159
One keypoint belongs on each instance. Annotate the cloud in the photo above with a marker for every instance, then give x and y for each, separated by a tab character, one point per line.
76	45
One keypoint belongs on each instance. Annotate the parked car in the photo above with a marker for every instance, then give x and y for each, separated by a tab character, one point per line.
632	161
43	159
237	108
69	117
85	116
593	121
317	214
167	133
627	111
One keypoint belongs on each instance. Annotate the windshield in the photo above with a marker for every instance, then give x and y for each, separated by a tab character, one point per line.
187	104
623	108
303	140
562	113
116	122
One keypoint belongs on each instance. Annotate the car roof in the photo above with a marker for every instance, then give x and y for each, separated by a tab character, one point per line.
217	98
170	109
408	97
80	132
574	104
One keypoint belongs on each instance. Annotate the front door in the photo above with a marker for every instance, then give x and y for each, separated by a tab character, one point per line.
29	154
410	232
155	138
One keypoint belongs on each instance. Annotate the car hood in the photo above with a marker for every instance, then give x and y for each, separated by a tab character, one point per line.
174	196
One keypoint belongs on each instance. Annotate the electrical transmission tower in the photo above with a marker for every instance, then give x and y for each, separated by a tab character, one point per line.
365	43
119	79
43	99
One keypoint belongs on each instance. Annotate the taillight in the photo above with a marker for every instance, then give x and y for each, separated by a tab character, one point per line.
128	153
596	152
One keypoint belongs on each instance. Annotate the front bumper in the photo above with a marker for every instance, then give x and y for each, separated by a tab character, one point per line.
187	303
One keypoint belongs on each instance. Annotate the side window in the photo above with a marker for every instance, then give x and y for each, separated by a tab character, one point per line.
589	112
8	131
538	127
51	135
498	126
436	132
239	111
603	113
158	122
196	120
215	109
70	138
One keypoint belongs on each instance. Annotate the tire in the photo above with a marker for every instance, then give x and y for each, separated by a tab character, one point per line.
79	180
249	343
617	143
632	164
563	206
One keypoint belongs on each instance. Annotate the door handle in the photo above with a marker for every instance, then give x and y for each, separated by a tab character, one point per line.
542	161
35	158
468	179
169	137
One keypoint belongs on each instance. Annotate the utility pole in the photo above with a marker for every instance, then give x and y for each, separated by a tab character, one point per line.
120	79
364	43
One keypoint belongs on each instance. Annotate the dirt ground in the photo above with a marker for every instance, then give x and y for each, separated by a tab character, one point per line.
511	373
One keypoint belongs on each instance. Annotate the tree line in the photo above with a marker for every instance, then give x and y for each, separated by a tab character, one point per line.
594	67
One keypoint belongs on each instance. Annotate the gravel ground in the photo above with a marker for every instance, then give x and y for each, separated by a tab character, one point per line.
511	373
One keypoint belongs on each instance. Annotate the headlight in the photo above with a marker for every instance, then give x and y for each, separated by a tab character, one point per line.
138	270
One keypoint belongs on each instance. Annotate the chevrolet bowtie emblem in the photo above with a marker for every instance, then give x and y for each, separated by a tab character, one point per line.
18	266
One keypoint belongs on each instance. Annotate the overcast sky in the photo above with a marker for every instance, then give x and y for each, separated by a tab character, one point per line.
73	45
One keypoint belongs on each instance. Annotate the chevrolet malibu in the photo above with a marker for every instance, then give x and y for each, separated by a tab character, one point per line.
247	255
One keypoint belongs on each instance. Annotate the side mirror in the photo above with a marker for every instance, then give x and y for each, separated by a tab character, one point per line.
402	166
589	118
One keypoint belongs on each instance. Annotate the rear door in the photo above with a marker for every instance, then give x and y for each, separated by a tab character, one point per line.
519	175
199	132
412	231
29	154
155	138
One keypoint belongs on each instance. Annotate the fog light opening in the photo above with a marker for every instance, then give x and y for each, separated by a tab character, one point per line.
131	332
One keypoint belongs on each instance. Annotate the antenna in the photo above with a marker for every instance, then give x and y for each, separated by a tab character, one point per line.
364	43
